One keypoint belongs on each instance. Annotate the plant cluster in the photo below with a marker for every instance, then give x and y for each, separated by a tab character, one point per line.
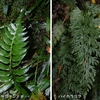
24	59
76	56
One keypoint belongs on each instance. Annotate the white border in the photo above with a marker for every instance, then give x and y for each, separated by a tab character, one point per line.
50	49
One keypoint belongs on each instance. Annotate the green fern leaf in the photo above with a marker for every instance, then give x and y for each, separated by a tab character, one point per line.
4	73
4	67
21	89
85	32
12	51
22	78
21	71
4	53
6	86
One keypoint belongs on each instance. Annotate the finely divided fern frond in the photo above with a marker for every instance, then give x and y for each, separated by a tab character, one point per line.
80	54
58	30
12	51
84	28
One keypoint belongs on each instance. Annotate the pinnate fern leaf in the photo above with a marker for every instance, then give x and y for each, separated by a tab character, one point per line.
12	51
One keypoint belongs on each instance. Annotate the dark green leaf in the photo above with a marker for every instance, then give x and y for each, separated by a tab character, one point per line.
19	51
7	33
4	73
33	7
43	84
20	39
4	53
6	39
11	31
4	46
5	86
20	44
21	89
32	86
4	60
47	24
16	58
5	78
4	67
21	71
14	64
23	78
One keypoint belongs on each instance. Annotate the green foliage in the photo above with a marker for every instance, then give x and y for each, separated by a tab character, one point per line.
58	30
71	3
62	58
24	62
79	53
31	71
85	44
10	9
12	51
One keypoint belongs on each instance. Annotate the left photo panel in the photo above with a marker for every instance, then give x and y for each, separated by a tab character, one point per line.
24	49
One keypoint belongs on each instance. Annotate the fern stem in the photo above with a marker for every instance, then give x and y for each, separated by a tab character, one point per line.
11	53
36	74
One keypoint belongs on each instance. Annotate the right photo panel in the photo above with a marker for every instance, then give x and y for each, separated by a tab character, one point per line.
76	49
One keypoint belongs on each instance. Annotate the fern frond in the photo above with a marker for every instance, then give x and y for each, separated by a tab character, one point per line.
58	30
12	50
85	45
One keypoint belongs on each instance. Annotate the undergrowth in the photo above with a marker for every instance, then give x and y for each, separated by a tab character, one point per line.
24	57
76	56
